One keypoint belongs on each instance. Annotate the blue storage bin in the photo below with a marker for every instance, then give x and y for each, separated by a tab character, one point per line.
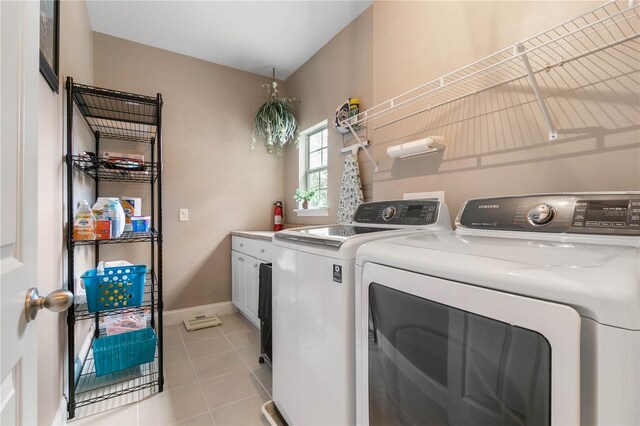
118	287
125	350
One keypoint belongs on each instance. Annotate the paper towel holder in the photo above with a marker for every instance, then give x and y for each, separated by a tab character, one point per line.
427	145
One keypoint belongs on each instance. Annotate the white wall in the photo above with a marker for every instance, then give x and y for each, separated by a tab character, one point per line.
497	141
209	167
76	59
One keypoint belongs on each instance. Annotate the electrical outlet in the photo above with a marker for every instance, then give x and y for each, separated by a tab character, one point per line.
184	215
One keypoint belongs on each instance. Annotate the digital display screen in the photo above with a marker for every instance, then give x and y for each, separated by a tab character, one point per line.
608	210
414	211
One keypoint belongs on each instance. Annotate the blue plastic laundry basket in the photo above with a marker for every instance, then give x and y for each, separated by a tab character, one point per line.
118	287
125	350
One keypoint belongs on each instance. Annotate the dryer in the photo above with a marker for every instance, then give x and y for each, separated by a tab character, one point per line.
313	307
528	314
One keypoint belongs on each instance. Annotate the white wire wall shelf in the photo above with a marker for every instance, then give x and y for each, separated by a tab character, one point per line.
606	26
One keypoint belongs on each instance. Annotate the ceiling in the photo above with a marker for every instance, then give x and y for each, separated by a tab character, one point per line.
252	36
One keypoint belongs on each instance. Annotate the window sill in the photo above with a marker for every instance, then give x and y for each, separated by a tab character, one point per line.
320	211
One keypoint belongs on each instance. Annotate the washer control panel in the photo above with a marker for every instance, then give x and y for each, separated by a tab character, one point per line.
401	212
607	214
588	213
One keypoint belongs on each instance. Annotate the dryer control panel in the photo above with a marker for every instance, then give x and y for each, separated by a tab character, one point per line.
585	213
401	212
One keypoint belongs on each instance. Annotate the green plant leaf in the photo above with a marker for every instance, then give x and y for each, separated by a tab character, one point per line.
275	124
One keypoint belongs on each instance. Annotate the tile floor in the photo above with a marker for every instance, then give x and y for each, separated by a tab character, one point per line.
212	377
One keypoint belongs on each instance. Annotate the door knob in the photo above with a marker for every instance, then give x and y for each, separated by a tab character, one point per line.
56	301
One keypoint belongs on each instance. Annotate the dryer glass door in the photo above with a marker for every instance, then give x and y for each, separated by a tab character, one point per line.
443	353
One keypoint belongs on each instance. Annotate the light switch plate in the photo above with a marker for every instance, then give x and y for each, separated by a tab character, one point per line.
184	215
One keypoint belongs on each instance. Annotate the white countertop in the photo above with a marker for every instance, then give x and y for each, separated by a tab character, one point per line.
256	235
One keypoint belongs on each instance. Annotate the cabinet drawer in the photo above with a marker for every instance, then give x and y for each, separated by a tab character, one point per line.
256	248
239	244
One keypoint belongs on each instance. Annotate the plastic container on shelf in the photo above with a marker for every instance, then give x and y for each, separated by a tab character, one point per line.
117	287
84	223
110	208
132	206
124	350
123	323
103	229
117	217
140	223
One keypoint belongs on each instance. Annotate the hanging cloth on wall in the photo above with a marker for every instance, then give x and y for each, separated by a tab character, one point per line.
351	190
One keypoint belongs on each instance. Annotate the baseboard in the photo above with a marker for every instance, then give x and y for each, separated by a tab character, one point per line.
61	415
176	316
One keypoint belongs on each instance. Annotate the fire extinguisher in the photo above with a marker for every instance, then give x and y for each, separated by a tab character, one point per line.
277	216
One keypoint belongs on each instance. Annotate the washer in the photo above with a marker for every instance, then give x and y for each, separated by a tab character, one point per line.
528	314
313	307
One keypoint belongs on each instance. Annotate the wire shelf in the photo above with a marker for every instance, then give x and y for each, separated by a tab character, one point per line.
118	115
603	27
91	388
82	311
126	237
100	168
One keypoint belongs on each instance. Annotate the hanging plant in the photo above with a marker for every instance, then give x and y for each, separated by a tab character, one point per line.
275	122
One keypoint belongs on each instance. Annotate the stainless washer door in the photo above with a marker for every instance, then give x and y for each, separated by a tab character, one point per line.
446	353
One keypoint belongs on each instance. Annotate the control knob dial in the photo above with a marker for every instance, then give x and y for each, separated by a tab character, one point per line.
541	214
389	213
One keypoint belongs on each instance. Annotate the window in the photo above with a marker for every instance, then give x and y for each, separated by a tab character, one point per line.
316	160
314	156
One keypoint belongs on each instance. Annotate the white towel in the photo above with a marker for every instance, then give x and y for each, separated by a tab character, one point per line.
351	190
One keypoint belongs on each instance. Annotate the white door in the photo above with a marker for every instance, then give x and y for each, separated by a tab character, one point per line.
237	279
19	81
443	352
251	287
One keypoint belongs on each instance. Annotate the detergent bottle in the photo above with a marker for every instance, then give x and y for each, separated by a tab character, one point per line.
84	223
116	215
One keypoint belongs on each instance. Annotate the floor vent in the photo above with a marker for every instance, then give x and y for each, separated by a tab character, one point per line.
202	321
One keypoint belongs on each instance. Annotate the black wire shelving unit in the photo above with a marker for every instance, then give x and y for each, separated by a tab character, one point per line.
121	116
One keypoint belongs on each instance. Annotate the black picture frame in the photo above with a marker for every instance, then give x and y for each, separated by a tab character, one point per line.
50	42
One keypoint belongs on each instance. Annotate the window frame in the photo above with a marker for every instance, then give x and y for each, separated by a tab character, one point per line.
304	161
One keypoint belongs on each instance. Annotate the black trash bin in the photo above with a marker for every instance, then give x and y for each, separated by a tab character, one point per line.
264	313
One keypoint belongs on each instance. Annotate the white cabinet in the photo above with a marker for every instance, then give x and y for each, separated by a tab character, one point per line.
237	278
246	256
251	288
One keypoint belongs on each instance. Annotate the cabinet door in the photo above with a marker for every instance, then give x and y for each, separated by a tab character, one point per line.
251	288
237	279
